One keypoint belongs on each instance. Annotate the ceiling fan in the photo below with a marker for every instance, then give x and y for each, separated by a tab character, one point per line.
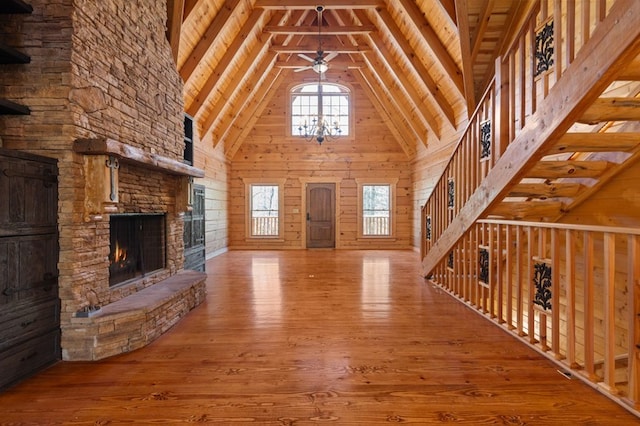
319	64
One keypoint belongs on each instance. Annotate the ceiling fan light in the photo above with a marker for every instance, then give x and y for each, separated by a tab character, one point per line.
320	67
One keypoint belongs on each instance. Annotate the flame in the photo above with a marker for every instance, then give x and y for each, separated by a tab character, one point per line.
119	254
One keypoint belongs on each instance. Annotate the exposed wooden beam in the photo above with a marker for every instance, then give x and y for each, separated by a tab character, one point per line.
433	43
613	44
408	89
612	109
225	119
175	9
225	98
399	132
249	116
478	35
208	39
596	142
462	17
326	47
410	113
421	71
328	4
221	67
449	8
311	30
189	6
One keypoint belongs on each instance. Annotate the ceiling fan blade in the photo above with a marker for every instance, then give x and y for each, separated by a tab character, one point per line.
302	69
308	58
330	56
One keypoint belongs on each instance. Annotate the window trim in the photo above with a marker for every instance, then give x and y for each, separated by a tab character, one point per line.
392	183
348	90
248	184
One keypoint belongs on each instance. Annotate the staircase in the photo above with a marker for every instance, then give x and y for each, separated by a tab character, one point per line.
558	122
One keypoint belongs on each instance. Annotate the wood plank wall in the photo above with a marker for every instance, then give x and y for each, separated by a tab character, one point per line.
270	153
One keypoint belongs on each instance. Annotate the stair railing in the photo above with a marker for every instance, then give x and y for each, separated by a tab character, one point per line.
572	292
552	34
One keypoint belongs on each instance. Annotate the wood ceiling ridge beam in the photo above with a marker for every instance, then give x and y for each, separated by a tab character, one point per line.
222	66
433	42
208	39
418	67
328	4
613	44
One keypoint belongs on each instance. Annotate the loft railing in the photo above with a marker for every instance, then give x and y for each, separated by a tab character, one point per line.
570	291
552	34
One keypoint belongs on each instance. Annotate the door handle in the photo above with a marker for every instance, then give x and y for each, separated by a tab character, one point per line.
308	216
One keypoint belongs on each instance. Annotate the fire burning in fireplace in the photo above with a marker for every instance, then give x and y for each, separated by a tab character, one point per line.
137	246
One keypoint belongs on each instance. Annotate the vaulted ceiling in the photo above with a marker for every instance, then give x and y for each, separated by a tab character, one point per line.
421	62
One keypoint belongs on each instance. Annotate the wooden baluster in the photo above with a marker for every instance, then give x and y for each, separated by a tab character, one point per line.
586	24
570	272
498	280
531	287
589	344
509	277
520	276
609	298
633	299
570	48
557	39
555	293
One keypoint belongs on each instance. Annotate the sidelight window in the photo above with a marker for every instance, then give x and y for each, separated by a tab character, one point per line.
264	208
376	208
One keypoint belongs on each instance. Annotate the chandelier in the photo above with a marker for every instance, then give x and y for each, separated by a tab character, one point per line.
319	128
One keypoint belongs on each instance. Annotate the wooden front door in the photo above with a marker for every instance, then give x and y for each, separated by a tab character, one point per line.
29	304
321	202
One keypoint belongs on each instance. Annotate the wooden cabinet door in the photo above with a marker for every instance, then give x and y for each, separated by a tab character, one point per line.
321	213
29	304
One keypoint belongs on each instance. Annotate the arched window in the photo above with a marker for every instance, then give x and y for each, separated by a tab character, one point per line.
327	100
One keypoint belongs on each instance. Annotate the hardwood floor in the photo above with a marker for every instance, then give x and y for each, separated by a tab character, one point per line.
303	337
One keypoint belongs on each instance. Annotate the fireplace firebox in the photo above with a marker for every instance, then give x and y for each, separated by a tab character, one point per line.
137	246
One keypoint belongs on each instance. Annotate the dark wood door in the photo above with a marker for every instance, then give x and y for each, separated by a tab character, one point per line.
321	206
29	303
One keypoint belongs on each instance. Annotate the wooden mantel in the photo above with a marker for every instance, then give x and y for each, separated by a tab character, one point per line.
130	154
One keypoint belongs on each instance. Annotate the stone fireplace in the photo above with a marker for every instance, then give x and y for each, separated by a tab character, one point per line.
105	99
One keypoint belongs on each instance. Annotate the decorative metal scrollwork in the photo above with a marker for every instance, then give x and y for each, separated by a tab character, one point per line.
485	139
450	260
544	48
542	282
428	228
451	191
484	265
